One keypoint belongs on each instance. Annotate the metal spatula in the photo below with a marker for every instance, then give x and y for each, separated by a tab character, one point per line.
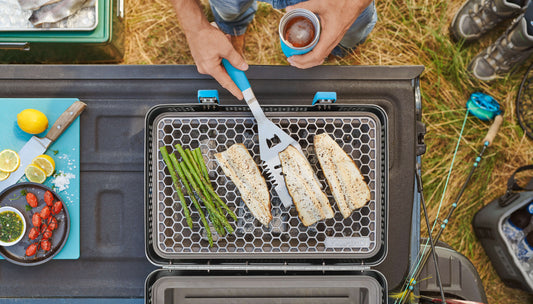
268	131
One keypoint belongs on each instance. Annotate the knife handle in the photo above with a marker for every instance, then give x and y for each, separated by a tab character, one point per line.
64	121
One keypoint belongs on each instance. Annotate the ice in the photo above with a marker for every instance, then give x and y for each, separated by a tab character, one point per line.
13	17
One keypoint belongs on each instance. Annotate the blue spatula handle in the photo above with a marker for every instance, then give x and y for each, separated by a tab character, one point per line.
236	75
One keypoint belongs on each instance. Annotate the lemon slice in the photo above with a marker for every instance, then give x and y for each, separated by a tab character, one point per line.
3	175
46	163
35	174
9	160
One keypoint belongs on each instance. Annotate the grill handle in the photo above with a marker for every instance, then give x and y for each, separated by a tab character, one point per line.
237	76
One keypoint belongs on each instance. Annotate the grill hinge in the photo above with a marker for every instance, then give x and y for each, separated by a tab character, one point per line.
420	133
208	96
265	267
324	98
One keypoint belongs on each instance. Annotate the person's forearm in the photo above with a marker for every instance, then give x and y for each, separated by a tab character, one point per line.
190	15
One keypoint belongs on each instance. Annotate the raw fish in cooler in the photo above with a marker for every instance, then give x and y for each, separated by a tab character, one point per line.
58	11
35	4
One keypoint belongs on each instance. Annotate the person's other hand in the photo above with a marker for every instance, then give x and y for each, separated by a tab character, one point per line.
336	17
208	46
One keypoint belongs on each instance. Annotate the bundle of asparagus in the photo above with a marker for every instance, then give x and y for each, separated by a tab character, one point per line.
192	172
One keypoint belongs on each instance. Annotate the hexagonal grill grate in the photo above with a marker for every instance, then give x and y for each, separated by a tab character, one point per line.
358	133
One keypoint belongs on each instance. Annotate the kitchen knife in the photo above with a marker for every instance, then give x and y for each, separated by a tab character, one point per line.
37	146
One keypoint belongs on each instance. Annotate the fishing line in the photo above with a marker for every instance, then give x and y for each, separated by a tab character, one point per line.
409	282
485	108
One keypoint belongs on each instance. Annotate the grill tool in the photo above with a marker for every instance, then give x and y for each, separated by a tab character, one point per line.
268	131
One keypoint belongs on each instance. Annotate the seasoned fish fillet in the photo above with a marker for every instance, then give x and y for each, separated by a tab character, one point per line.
240	167
312	204
57	11
344	178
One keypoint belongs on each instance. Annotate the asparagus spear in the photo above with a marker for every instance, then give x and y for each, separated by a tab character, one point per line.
201	180
201	162
192	178
181	175
177	185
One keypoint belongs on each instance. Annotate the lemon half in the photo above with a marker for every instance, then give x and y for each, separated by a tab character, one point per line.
3	175
46	163
35	174
9	160
32	121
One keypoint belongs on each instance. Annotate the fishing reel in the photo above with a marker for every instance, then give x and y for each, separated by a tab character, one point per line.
483	106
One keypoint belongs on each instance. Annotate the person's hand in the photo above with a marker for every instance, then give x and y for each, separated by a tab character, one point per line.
336	17
208	46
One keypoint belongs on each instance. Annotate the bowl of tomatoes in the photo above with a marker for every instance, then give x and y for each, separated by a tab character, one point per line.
47	223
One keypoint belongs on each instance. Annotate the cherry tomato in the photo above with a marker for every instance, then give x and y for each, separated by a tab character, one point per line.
34	233
57	207
45	212
52	224
47	234
31	250
48	198
46	245
31	199
36	220
43	228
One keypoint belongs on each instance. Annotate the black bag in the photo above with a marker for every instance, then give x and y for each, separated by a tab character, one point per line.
488	224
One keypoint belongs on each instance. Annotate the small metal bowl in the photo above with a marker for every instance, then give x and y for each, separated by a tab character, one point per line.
8	208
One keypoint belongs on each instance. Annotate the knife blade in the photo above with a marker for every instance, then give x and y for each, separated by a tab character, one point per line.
37	146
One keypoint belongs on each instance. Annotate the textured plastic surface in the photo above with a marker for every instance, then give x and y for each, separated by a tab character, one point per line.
360	134
487	225
459	277
365	287
113	261
67	158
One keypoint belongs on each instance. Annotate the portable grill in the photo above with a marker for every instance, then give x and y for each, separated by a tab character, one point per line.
360	133
351	250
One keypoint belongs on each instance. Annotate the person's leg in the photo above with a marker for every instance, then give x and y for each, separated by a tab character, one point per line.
233	17
476	17
510	50
358	32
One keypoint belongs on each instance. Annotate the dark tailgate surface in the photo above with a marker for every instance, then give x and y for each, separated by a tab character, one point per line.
113	262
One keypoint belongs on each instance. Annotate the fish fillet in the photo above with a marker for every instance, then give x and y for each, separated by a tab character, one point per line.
344	178
35	4
57	11
240	167
312	204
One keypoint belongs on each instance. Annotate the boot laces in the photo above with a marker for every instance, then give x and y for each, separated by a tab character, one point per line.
484	14
502	55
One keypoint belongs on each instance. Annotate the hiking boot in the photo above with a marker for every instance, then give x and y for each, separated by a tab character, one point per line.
477	17
511	48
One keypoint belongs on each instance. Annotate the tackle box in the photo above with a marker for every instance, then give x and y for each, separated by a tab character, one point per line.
488	223
377	109
101	43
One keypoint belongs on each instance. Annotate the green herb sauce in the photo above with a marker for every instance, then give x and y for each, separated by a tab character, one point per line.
10	226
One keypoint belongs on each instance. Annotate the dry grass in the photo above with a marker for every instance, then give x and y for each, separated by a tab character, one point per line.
410	32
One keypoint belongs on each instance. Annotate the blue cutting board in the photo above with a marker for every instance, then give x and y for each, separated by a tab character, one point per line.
65	151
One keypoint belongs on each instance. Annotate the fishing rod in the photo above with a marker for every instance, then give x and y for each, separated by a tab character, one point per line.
485	108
